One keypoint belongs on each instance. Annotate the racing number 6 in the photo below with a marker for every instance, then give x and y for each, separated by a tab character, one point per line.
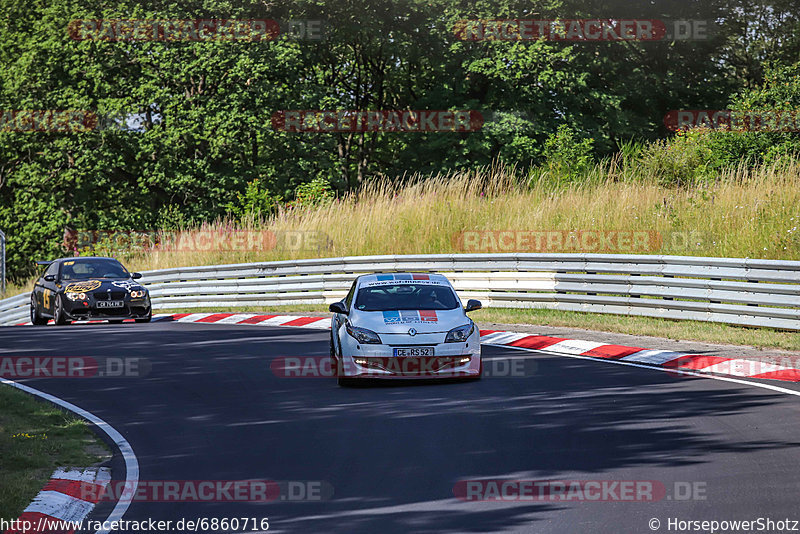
46	299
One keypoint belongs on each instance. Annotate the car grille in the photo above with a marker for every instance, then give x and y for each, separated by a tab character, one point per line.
115	311
113	295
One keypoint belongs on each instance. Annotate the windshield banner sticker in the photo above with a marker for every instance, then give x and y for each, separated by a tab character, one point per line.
391	279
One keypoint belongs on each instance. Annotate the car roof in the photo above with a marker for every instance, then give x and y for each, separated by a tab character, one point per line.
384	278
75	258
78	258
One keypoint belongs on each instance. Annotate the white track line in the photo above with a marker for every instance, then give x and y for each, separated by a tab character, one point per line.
662	369
131	462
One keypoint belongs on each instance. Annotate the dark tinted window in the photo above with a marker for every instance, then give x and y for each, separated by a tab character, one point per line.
85	269
52	269
406	297
348	300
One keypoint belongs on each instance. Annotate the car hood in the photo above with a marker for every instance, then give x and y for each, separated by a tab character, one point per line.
95	285
398	322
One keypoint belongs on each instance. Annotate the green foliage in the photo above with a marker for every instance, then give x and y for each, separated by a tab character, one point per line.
567	156
779	91
204	146
256	202
681	161
314	193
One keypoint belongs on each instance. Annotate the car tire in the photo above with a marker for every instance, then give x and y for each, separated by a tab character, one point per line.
149	316
59	318
346	382
343	381
480	372
332	347
36	319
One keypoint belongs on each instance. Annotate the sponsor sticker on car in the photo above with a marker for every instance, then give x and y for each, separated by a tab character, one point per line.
393	279
83	287
409	317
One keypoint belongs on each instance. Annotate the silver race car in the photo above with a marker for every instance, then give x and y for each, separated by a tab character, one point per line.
404	325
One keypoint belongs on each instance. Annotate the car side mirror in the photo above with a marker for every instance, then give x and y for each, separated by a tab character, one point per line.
136	276
338	307
50	278
473	305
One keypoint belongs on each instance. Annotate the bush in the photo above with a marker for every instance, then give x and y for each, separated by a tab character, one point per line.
567	157
780	91
683	160
314	193
256	202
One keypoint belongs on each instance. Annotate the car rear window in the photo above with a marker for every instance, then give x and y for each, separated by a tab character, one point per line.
406	297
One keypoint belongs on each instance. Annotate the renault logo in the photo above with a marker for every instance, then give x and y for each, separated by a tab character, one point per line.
412	332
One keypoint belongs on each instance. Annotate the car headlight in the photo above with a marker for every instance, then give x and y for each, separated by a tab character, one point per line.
362	335
138	294
76	296
460	334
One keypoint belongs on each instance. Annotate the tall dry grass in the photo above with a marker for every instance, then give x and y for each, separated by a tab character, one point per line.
745	213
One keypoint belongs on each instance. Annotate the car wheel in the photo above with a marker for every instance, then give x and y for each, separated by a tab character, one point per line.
59	317
149	316
332	350
346	382
36	319
480	371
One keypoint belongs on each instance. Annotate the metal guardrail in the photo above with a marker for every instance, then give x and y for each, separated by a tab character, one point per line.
763	293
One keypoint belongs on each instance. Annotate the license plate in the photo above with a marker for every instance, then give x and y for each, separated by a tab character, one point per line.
413	351
110	303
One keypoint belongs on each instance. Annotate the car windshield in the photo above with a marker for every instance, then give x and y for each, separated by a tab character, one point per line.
406	297
85	269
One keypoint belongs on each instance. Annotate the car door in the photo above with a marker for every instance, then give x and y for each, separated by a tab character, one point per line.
339	319
45	290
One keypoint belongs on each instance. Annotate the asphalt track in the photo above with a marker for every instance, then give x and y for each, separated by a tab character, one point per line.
211	408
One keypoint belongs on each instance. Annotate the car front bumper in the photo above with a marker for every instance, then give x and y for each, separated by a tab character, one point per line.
87	310
449	360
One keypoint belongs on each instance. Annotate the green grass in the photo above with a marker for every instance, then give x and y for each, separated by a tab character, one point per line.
36	438
640	326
